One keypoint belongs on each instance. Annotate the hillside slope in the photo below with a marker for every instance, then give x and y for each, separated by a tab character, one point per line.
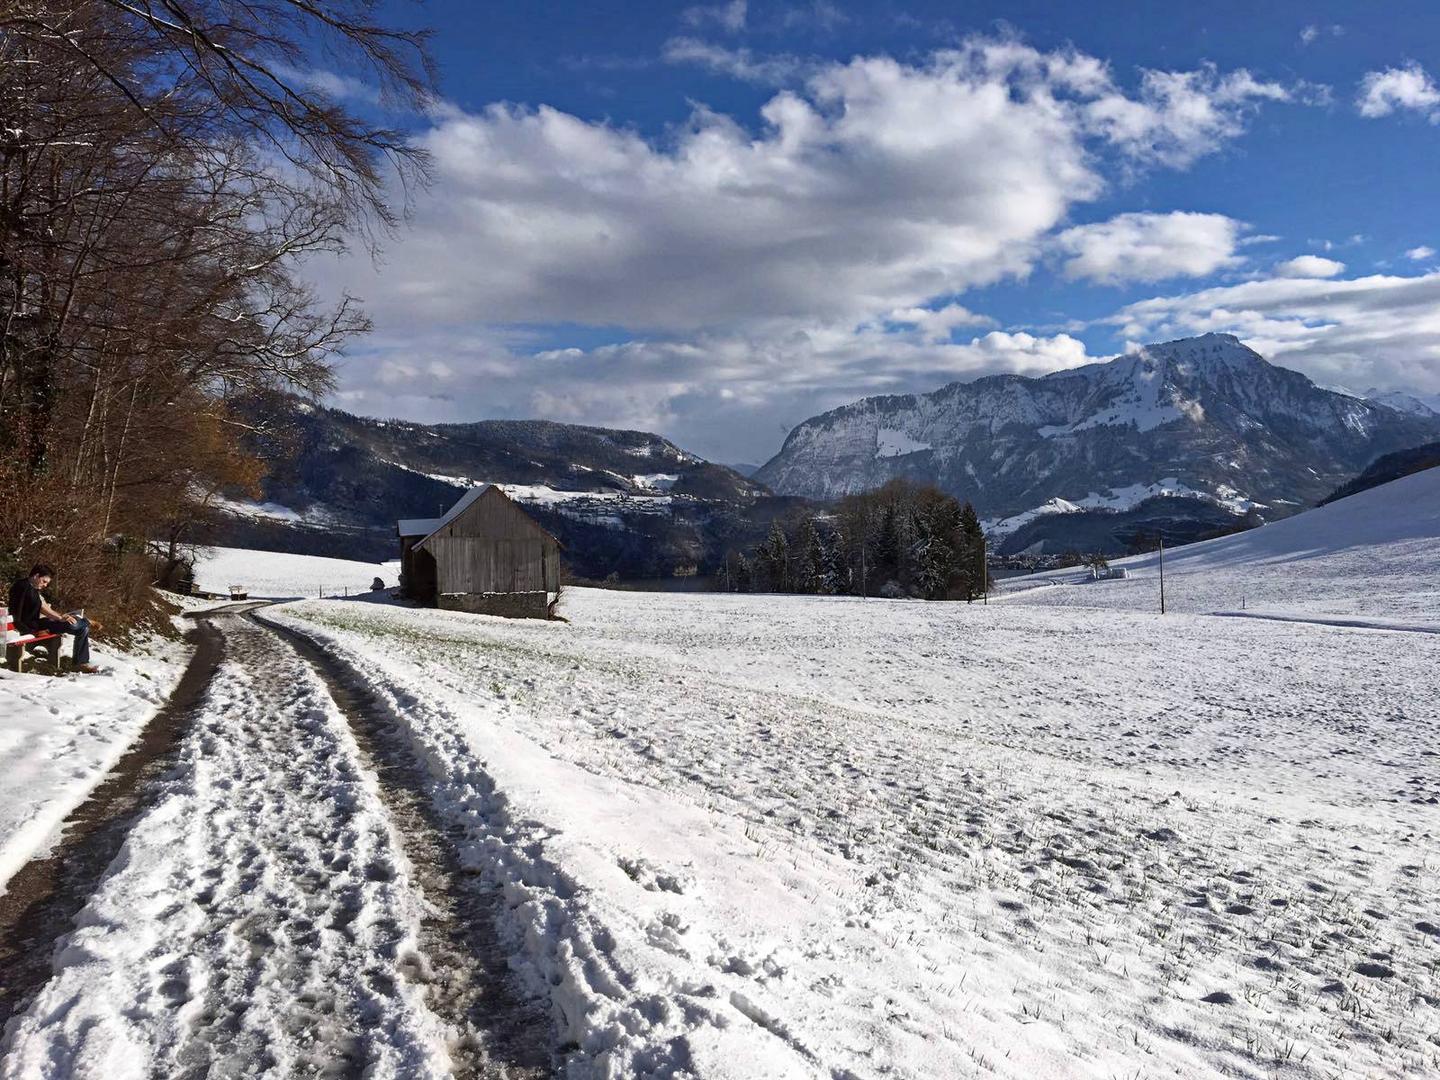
1203	415
1387	468
624	502
1374	554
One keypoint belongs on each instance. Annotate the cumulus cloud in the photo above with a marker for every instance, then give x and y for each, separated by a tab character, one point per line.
1421	253
877	185
936	324
1379	330
1149	247
1309	266
800	257
729	16
1179	116
1408	87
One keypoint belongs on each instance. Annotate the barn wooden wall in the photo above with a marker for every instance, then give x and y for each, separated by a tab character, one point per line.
473	564
494	546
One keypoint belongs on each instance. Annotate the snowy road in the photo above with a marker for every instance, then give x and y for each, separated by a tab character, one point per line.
264	916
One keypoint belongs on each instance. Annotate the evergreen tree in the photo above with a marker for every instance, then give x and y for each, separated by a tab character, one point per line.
976	575
773	560
935	524
886	548
811	558
834	577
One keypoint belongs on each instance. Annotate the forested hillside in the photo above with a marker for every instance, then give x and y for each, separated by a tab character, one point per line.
1389	467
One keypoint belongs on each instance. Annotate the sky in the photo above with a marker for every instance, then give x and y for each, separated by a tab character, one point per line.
714	221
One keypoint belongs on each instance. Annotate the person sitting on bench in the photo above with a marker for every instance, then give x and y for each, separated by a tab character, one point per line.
32	615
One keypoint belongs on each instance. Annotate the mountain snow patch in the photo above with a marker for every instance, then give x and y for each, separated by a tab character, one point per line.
655	481
892	442
1125	498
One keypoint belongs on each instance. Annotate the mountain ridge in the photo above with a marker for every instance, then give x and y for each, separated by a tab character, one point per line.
1207	413
622	501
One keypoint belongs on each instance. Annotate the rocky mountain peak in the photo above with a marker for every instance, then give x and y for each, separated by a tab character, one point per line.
1205	414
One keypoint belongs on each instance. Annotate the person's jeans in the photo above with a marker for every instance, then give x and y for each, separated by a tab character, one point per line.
81	653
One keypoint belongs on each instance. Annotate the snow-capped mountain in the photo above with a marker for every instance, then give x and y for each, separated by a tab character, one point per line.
1427	406
1204	417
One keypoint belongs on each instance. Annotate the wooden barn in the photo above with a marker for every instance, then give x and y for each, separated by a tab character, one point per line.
485	555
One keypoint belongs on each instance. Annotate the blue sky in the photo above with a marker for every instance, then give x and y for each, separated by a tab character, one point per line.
715	220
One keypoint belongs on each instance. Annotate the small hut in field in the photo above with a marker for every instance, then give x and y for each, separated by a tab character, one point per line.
486	555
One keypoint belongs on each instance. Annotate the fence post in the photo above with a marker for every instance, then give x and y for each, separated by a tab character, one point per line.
1162	573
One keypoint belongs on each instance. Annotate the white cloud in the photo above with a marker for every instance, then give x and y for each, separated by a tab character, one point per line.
1421	253
1179	116
742	63
879	185
1408	87
1380	330
730	16
936	324
1149	247
1312	33
802	259
1309	266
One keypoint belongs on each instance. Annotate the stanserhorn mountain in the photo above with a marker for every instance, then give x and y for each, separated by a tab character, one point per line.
1202	417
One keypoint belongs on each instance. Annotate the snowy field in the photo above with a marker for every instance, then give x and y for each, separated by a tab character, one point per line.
861	838
1373	555
276	575
746	836
59	737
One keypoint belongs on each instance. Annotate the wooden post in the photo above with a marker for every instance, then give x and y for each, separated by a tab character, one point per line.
1162	573
984	574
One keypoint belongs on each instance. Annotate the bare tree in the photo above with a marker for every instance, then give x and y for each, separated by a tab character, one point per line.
164	168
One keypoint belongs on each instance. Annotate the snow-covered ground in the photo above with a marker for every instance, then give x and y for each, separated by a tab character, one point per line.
870	838
277	575
260	919
744	836
1375	554
59	737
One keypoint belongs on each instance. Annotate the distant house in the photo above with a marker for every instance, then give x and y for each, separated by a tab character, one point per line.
485	555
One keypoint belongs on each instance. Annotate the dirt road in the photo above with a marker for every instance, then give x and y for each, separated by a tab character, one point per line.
264	891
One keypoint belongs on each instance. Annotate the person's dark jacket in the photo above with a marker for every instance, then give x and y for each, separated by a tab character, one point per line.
25	606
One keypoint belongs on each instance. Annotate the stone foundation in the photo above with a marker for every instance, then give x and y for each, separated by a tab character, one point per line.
515	605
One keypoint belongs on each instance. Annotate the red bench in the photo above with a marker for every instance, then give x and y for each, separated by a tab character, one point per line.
20	647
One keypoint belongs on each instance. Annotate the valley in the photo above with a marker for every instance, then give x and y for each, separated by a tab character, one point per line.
810	836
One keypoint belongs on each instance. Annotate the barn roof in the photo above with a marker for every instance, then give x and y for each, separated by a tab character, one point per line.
428	527
416	526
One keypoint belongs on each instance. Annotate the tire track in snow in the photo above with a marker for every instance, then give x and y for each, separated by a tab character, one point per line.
501	1033
261	919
